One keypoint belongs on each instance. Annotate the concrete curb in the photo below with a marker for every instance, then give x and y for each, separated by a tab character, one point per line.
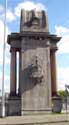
31	120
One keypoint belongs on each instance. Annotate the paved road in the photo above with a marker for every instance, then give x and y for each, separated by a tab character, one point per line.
61	123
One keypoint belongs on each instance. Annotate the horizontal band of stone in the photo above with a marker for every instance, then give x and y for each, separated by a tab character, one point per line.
44	35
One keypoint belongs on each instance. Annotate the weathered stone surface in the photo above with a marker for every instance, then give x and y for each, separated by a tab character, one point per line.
14	106
34	21
35	96
53	73
13	76
35	79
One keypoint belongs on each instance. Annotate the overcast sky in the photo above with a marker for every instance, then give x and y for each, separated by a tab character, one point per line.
58	18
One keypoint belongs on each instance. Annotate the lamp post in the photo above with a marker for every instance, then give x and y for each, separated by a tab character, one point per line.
66	101
3	92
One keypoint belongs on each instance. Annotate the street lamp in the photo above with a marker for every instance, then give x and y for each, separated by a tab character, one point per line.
3	93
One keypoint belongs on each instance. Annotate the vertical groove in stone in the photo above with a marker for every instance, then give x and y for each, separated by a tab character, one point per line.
48	77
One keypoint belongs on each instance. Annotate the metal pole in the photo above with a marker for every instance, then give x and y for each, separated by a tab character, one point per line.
3	92
66	99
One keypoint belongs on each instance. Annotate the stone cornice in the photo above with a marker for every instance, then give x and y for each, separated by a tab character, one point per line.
34	35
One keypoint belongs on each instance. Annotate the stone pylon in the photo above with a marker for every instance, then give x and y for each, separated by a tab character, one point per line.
37	65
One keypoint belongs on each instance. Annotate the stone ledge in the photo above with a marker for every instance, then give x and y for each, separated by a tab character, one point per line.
43	35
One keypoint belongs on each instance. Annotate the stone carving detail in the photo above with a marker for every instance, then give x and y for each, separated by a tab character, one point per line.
36	73
34	21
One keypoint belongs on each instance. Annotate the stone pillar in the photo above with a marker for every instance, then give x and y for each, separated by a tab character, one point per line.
13	72
19	91
53	73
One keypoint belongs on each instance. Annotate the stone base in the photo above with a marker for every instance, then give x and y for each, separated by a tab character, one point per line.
35	112
56	104
12	94
14	106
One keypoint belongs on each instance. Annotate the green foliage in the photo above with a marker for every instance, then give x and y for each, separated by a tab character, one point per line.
62	93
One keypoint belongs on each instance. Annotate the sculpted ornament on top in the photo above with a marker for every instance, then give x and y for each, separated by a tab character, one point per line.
34	20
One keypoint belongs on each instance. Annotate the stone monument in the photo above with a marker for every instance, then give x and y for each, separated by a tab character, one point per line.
37	66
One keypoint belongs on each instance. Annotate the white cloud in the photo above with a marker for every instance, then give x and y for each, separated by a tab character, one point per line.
63	77
7	60
6	83
63	48
1	8
2	31
7	55
10	16
2	42
28	5
63	44
61	31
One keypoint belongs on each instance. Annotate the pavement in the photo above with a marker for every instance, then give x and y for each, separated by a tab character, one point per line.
36	119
